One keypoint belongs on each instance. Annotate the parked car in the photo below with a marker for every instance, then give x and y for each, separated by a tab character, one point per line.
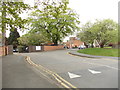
82	47
15	50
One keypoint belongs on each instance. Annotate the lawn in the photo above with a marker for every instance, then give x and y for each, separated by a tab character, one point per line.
100	51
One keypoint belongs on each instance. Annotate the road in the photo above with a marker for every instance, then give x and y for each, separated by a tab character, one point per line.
16	73
79	71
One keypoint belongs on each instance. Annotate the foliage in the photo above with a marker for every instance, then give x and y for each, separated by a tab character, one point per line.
12	40
54	20
32	39
11	15
21	49
103	31
86	35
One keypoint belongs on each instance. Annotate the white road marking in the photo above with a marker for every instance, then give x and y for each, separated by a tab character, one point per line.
72	75
94	72
102	65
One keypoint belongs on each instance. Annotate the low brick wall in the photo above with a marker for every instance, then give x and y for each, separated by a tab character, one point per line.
50	48
5	50
2	50
10	49
33	49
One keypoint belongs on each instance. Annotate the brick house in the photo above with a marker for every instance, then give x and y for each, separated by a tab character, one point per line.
73	42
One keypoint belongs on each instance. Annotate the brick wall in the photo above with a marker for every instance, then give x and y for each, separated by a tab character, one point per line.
10	49
33	49
50	48
4	50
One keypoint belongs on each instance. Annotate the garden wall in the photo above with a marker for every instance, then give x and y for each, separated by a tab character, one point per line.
44	48
5	50
2	50
34	49
50	48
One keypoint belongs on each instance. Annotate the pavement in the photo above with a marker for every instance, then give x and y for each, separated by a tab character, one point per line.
81	72
0	72
17	73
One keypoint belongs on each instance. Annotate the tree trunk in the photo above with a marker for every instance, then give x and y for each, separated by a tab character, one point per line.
101	45
55	42
92	46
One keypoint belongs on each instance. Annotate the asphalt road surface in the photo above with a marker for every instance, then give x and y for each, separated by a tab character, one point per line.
16	73
80	71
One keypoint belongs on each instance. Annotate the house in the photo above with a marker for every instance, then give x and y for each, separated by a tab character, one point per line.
73	42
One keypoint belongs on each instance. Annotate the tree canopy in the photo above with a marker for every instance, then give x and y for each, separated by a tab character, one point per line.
10	15
103	31
54	20
32	39
12	40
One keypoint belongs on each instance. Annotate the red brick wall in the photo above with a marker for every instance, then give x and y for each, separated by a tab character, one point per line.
4	50
33	49
50	48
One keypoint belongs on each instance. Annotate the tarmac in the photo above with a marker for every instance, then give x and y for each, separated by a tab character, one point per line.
17	73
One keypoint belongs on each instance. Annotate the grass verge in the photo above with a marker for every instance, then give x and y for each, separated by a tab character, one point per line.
100	51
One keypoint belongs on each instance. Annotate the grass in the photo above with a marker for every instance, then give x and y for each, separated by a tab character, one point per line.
100	51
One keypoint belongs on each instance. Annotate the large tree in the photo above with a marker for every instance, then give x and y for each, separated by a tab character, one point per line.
32	39
86	34
12	40
103	31
54	20
10	16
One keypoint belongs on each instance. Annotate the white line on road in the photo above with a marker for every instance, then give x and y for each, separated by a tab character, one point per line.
102	65
72	75
94	72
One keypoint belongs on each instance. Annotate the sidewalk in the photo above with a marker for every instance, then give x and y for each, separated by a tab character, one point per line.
0	72
74	52
16	73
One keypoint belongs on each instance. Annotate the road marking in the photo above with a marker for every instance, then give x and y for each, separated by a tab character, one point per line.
94	72
72	75
59	79
98	64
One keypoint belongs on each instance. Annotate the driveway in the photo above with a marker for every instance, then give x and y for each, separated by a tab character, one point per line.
79	71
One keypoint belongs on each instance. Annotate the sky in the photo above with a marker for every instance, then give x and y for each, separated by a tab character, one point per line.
89	10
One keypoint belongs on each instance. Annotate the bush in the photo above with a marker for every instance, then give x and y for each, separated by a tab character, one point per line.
21	48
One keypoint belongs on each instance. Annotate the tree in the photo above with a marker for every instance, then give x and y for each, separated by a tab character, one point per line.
104	31
32	39
86	35
10	18
11	15
54	20
12	40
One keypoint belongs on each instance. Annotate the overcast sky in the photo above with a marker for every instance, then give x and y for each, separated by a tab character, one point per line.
89	10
